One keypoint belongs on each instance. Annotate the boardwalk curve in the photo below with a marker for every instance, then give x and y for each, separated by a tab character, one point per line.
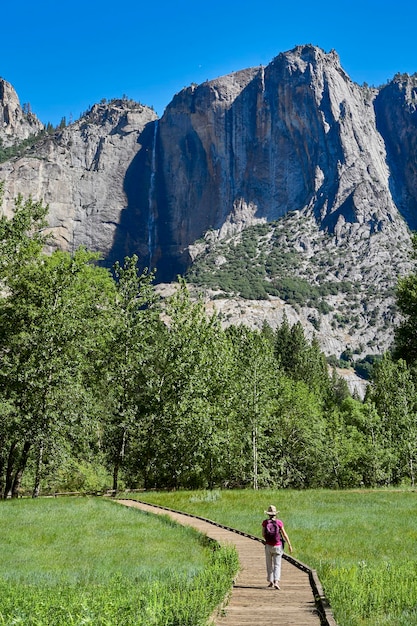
300	602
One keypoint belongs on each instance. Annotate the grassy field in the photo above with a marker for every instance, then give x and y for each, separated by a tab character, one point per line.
362	543
79	561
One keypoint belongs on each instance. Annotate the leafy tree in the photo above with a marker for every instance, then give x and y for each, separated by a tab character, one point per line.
378	454
268	332
356	445
127	352
189	382
297	447
23	236
301	360
339	389
50	324
393	393
405	344
283	343
252	388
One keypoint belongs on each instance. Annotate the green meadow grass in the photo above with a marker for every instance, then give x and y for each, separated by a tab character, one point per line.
78	561
362	543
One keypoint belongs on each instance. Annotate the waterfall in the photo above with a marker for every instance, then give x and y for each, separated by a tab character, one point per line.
263	78
152	200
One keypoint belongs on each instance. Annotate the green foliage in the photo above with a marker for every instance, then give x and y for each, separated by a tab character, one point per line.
129	349
18	149
188	375
405	344
252	406
23	236
364	367
180	404
297	438
300	359
360	542
77	475
97	377
259	265
89	561
393	393
51	325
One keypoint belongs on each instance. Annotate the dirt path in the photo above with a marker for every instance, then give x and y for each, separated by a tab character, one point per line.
251	602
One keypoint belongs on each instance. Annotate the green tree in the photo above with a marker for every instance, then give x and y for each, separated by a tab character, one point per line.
129	349
253	387
188	378
356	445
301	360
378	453
393	393
23	235
405	344
50	326
297	447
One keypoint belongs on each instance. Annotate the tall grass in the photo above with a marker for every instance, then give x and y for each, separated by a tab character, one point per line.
362	543
88	561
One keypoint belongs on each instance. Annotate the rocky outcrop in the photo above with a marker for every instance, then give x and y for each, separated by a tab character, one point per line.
297	135
396	115
15	124
86	173
331	166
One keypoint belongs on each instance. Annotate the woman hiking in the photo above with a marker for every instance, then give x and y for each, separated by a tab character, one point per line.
274	535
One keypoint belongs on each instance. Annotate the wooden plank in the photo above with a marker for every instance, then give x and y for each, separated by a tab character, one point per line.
251	601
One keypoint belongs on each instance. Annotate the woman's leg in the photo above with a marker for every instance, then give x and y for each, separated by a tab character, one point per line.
276	566
269	564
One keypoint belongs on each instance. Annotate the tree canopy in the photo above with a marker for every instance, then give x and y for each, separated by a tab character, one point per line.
104	385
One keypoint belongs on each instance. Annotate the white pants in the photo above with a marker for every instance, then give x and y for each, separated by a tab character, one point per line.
273	555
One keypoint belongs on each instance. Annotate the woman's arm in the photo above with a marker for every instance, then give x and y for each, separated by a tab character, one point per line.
287	539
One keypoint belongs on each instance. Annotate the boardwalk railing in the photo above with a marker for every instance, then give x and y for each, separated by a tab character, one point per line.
322	604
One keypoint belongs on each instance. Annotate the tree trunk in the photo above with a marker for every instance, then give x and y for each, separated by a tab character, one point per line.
116	475
2	467
39	463
9	471
255	458
21	468
119	460
411	465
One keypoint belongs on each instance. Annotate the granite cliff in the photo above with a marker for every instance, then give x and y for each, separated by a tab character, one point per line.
15	123
297	135
328	168
85	172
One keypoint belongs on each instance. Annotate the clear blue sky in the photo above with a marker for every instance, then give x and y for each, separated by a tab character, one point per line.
63	57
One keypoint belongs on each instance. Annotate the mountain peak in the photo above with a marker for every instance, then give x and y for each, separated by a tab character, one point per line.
324	168
16	124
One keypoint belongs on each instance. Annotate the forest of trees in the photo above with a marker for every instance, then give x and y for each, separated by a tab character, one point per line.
103	386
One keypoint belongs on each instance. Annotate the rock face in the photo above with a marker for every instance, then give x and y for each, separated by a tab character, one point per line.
15	124
396	115
296	144
255	145
296	135
86	174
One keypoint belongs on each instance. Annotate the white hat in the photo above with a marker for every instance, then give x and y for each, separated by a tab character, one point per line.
271	511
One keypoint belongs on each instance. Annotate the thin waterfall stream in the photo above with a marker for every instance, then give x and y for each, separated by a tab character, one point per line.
152	201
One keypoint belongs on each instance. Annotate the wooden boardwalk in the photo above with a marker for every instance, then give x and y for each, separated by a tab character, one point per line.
251	602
